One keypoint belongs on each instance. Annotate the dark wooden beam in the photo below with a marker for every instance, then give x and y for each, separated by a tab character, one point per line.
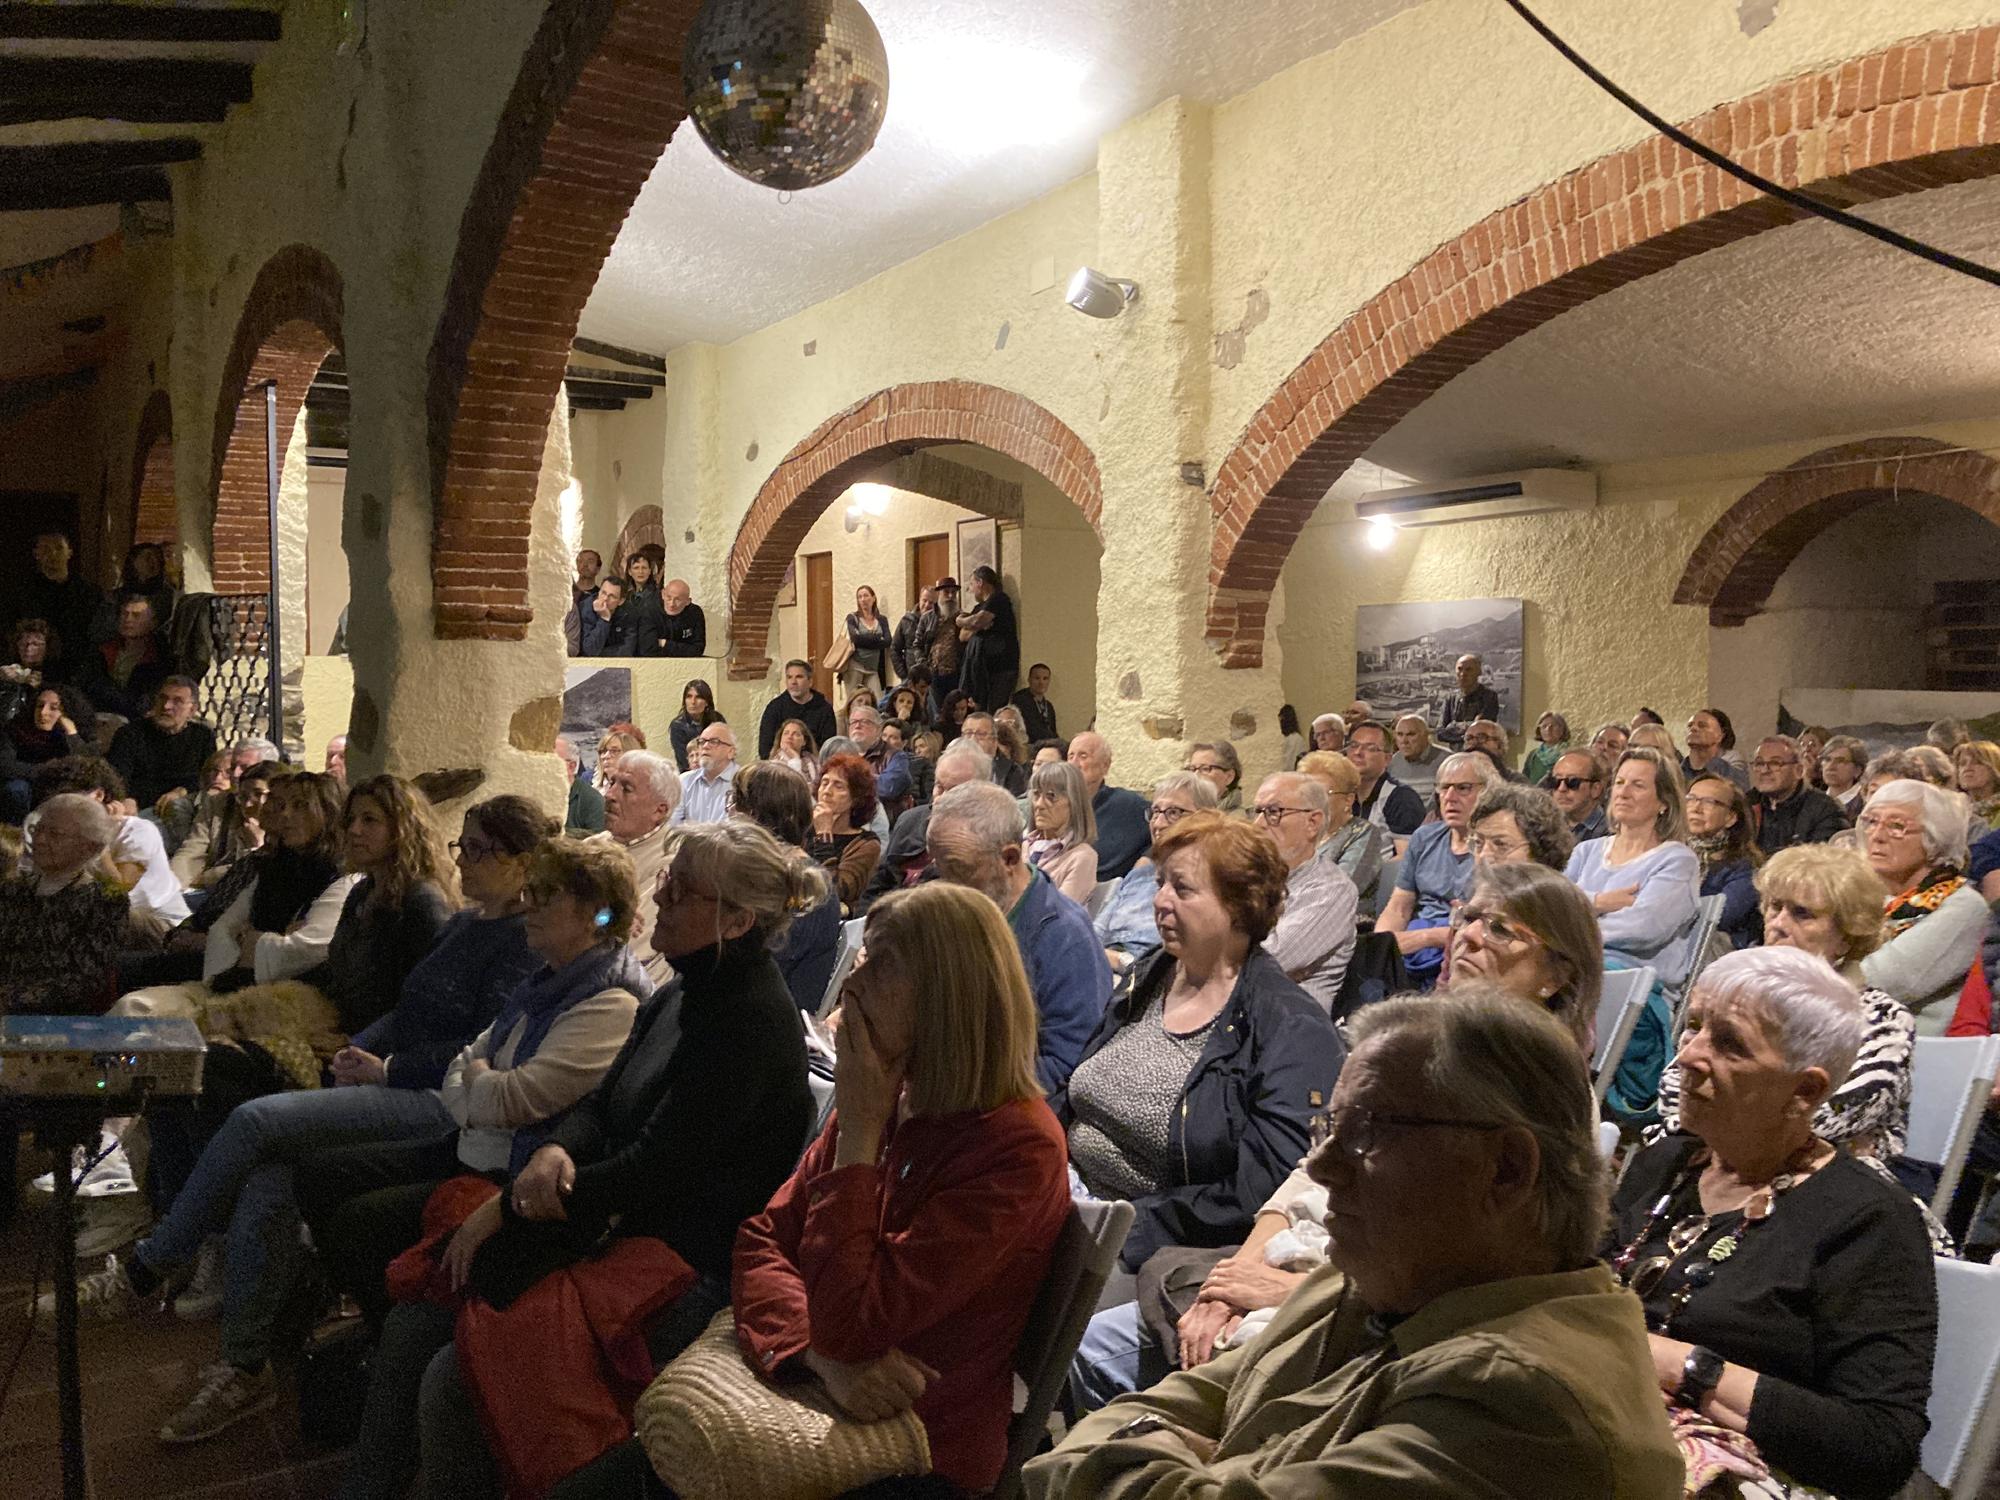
594	403
20	195
138	23
620	377
148	90
608	390
624	356
87	158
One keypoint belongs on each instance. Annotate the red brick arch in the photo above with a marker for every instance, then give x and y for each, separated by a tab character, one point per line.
1734	567
155	517
1920	114
595	102
850	445
290	323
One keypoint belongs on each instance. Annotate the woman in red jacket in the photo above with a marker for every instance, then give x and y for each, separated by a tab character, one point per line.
899	1263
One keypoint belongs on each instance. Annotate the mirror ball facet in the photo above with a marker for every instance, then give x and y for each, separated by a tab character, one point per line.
788	93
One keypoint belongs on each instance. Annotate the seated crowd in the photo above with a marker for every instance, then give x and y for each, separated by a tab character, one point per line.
554	1103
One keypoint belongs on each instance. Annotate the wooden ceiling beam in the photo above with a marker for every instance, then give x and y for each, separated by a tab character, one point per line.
138	23
145	90
26	195
83	158
624	356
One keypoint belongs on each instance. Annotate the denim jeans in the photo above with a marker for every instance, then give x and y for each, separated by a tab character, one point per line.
243	1185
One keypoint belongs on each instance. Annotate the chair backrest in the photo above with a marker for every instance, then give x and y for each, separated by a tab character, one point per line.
1950	1078
1957	1452
1705	948
1618	1011
1099	894
843	965
1385	883
1084	1254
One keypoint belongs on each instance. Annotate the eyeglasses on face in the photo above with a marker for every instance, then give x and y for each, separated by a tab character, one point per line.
1763	764
1471	787
1495	845
1573	783
1892	828
1719	803
471	851
1355	1131
1499	928
1206	770
1270	812
1167	813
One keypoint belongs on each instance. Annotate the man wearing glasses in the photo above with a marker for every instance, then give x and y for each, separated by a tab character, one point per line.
1463	1340
705	785
1788	811
1314	939
1576	781
1382	800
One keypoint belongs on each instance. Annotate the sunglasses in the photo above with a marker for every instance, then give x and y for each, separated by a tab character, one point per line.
1572	783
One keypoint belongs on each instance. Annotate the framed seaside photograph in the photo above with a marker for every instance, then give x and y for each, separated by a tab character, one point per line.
594	698
1406	655
978	547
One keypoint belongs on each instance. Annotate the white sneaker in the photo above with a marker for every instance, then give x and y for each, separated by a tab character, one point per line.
101	1297
225	1397
111	1177
201	1298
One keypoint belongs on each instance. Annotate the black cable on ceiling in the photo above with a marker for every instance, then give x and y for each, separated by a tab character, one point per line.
1793	196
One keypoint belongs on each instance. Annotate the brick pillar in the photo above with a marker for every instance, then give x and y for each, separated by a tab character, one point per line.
1159	686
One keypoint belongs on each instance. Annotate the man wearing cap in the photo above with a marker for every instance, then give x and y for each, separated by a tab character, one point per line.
938	644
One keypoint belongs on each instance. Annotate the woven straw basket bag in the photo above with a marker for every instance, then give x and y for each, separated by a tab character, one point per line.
715	1431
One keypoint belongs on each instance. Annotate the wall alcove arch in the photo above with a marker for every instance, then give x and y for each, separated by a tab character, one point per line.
855	442
1921	114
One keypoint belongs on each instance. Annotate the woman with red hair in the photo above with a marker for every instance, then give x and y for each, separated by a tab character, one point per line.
841	842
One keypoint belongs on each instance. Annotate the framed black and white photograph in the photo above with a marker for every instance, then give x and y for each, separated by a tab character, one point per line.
978	547
594	698
1406	655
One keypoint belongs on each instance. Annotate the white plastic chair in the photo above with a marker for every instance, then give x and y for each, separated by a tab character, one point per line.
1707	917
1618	1012
1950	1079
1099	894
843	965
1957	1453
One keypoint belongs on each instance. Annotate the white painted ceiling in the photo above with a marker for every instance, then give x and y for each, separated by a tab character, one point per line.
1806	332
992	103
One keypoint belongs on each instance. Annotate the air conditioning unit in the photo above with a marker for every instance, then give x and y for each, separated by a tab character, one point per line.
1530	492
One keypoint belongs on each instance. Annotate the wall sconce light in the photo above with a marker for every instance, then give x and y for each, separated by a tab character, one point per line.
1381	533
1096	295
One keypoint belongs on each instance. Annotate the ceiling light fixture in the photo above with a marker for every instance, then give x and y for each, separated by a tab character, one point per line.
1096	295
1381	533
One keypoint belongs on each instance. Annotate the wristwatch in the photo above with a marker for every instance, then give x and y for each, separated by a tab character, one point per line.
1140	1426
1699	1375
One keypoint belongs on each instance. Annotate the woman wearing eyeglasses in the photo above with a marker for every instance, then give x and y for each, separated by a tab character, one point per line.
1218	765
1723	840
1914	836
1528	930
1788	1288
1357	846
1125	924
1061	829
1513	823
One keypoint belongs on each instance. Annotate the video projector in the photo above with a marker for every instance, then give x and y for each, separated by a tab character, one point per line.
99	1057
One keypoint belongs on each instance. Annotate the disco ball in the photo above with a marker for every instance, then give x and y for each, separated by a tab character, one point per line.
788	93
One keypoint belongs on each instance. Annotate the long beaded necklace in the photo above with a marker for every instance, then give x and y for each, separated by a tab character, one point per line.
1645	1276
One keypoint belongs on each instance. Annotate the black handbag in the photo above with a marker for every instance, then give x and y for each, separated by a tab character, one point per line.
334	1373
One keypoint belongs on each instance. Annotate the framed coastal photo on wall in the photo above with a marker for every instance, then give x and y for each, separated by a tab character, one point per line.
978	547
1406	655
594	698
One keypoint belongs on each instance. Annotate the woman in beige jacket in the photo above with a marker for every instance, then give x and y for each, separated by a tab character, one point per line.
1062	830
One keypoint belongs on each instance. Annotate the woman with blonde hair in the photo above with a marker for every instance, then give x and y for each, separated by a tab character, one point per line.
1358	846
796	750
1551	741
614	742
1977	763
1062	829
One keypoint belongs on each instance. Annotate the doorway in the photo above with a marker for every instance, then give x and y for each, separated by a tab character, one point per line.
819	618
930	560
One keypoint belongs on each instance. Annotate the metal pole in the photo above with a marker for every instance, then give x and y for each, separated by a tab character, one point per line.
273	460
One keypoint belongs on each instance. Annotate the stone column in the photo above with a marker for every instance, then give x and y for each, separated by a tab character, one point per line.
1159	686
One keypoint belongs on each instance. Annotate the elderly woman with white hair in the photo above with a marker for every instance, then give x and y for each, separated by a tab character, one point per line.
63	916
1914	836
1437	867
1787	1286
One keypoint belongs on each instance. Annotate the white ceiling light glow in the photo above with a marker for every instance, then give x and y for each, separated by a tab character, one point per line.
973	100
1381	533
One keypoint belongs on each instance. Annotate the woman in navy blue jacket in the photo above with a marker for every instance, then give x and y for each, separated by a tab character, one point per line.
1194	1098
1724	840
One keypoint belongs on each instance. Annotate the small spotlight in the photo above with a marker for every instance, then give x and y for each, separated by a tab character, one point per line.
1381	533
1096	295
